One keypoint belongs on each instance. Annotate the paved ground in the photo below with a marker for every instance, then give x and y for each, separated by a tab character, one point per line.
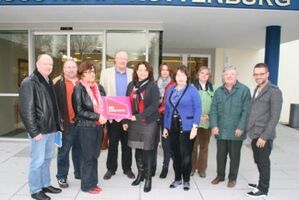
284	177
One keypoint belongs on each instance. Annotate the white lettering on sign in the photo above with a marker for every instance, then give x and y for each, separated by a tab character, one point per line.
246	2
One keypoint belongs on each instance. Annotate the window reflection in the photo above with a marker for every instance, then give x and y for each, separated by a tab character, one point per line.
13	60
54	45
88	47
134	43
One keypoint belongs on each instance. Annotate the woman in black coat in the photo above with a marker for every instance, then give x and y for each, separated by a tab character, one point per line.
142	127
88	107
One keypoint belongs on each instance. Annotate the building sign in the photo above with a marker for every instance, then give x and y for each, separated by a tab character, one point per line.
253	4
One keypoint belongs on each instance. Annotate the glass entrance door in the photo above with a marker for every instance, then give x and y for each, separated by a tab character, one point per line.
79	46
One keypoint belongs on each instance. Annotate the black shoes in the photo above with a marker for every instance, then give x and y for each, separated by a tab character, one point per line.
164	173
108	175
147	185
138	179
40	196
130	174
51	189
63	183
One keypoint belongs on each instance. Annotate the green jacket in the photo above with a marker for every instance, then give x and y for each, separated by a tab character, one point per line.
229	111
206	101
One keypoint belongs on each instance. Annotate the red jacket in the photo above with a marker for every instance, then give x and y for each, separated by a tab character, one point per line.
162	105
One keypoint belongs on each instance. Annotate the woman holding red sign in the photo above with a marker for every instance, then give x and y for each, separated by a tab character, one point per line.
142	127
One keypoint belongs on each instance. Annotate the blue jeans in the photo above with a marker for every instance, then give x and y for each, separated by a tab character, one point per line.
40	159
70	140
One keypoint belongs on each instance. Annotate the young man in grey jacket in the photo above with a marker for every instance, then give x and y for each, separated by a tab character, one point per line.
263	117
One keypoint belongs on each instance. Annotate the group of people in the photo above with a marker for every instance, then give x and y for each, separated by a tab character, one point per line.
184	114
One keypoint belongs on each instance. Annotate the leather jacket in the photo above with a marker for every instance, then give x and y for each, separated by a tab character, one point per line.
83	107
36	107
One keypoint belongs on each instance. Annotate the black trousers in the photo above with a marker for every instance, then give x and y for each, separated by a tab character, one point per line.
165	146
262	160
181	147
116	134
90	139
233	149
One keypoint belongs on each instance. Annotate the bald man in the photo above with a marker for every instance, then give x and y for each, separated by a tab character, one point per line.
39	112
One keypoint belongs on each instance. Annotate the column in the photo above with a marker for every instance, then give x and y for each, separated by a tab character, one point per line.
272	51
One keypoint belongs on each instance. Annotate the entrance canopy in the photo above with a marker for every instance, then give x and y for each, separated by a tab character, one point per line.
185	24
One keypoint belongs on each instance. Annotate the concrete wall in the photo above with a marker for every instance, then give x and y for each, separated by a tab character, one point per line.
245	59
288	75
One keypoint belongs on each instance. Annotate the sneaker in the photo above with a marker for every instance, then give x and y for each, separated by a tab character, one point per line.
175	184
108	175
63	183
252	185
186	186
256	193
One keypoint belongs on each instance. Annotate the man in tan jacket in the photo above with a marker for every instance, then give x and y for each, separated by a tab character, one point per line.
115	81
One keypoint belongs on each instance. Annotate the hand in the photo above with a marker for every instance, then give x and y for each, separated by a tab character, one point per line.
102	120
165	133
133	118
238	132
125	127
117	120
204	118
193	133
38	137
260	143
215	131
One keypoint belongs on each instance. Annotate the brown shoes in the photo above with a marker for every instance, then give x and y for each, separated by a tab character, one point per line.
216	180
231	184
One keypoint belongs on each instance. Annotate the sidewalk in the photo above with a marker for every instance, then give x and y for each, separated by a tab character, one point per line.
284	178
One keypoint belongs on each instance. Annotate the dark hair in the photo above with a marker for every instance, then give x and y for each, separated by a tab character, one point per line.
262	65
148	67
169	68
85	66
184	70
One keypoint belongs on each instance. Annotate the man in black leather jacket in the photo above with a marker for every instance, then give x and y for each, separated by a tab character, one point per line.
39	112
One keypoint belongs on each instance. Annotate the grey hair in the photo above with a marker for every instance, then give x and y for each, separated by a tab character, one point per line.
227	68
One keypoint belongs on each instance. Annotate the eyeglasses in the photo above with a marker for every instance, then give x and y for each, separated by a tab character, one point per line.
89	72
260	74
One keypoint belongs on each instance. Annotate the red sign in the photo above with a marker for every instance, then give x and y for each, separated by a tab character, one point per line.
118	107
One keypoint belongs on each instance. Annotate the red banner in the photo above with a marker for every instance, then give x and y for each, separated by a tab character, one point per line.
118	107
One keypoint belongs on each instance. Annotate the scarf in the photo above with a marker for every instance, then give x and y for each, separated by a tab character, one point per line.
95	96
137	96
162	83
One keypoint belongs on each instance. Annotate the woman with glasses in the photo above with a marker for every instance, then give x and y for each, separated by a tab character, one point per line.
181	119
88	107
